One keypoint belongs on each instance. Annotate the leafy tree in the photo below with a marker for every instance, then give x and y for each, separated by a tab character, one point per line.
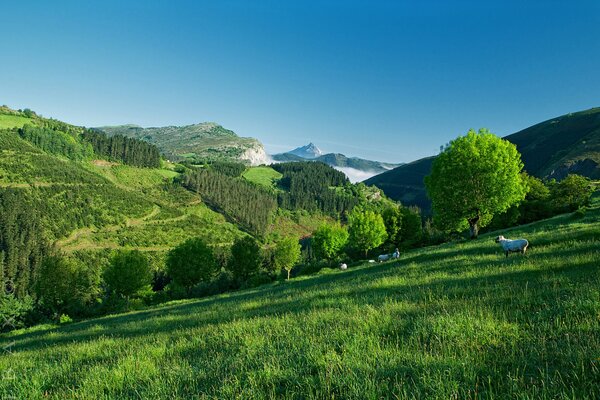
477	176
128	273
328	240
286	254
190	263
536	188
367	230
245	257
63	285
572	192
392	219
412	229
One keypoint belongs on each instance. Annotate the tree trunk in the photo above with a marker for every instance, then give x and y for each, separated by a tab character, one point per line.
288	271
474	226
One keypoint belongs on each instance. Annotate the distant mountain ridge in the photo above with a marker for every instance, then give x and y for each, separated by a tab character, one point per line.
203	141
550	149
357	169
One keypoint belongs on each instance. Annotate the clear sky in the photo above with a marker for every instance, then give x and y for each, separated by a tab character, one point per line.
385	80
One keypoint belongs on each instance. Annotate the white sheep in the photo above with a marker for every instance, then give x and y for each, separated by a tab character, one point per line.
386	257
512	246
383	257
343	266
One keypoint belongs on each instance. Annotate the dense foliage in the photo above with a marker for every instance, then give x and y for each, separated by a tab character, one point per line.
65	286
23	244
329	240
120	148
367	230
546	199
56	142
228	168
475	177
245	257
190	263
128	273
312	186
248	205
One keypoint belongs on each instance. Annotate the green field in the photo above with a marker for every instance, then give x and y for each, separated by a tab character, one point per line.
13	121
264	176
454	321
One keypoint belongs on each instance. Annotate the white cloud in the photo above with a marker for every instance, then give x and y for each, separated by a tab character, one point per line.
356	175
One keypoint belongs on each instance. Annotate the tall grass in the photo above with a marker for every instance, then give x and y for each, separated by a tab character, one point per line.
454	321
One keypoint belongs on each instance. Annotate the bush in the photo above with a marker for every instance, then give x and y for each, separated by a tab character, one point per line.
259	279
64	319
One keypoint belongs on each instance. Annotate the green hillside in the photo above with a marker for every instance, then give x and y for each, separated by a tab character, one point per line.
199	142
454	321
551	149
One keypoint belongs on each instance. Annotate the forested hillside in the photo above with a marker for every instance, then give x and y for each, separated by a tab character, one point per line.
196	143
74	200
551	149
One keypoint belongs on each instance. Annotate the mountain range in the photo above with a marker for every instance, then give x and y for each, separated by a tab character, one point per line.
211	141
357	169
550	149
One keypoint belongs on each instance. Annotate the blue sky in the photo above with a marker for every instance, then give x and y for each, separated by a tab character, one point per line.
388	80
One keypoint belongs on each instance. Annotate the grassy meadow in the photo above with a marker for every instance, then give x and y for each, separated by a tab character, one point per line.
453	321
264	176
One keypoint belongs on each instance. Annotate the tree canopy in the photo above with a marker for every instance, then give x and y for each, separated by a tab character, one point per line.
475	177
328	240
286	255
128	272
245	257
190	263
367	230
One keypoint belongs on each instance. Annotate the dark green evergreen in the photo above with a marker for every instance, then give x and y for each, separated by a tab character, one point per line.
120	148
246	204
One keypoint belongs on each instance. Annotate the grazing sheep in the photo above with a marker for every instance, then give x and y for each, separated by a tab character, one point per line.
383	257
343	266
512	246
386	257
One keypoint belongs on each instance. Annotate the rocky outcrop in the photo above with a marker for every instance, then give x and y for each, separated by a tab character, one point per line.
255	155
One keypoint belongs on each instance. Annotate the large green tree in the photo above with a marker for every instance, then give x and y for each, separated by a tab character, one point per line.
245	257
128	272
475	177
328	240
367	230
190	263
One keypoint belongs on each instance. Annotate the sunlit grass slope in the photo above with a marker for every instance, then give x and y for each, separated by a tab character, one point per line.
455	321
264	176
